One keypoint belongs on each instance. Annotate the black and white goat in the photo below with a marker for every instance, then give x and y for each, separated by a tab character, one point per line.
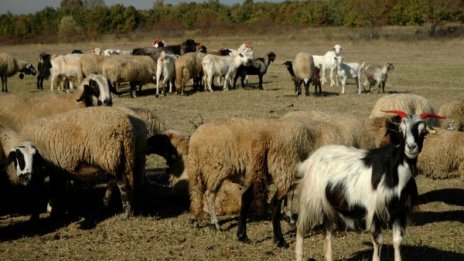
363	189
257	67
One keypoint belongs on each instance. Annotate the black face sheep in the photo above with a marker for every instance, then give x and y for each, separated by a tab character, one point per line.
305	70
98	142
258	66
9	66
365	189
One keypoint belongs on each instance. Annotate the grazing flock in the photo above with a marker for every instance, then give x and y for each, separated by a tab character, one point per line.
327	168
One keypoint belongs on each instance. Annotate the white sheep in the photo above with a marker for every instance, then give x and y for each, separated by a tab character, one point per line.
375	76
327	62
165	68
9	66
225	66
97	142
363	189
348	70
65	67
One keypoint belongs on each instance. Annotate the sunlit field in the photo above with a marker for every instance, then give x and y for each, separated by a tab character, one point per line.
430	68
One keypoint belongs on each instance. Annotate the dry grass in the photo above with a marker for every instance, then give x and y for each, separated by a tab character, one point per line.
432	69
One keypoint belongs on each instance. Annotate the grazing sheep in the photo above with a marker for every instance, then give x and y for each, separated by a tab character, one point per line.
257	67
154	124
250	152
375	76
296	80
98	142
326	61
43	68
305	70
442	156
363	189
17	111
165	67
9	66
348	70
137	70
454	112
409	103
188	66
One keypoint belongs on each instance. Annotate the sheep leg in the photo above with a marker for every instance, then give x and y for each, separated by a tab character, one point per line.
212	211
108	193
125	190
306	86
276	205
260	81
4	88
247	199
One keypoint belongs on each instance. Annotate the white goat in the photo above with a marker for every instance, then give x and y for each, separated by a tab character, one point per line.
65	67
214	65
375	76
365	189
327	61
165	68
348	70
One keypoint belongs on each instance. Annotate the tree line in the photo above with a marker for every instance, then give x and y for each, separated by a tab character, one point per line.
89	19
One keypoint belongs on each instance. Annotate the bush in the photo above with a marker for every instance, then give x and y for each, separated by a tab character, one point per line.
68	29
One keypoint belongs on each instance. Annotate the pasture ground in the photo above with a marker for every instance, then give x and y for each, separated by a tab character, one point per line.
431	68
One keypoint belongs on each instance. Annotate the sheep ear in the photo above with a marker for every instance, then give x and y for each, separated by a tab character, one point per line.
11	158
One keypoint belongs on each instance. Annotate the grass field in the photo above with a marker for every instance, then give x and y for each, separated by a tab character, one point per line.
431	68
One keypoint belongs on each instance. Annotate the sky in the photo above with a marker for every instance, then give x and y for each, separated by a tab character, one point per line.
32	6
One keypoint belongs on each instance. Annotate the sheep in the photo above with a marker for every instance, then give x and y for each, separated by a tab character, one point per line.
442	156
409	103
188	66
154	124
305	70
98	142
454	111
348	70
258	67
9	66
375	76
326	61
362	188
65	67
251	152
26	158
137	70
296	80
165	67
43	68
188	45
16	111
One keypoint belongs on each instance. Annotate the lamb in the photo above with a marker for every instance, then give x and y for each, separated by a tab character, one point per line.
251	152
65	67
442	156
409	103
17	111
362	188
454	112
375	76
348	70
305	70
165	67
258	67
9	66
43	67
326	61
188	66
137	70
105	142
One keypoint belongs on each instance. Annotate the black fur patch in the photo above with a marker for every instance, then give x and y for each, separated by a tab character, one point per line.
335	194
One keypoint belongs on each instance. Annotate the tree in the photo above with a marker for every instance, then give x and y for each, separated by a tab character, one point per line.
70	5
438	11
68	28
92	4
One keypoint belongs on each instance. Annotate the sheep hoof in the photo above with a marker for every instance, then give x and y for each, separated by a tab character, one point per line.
244	239
281	243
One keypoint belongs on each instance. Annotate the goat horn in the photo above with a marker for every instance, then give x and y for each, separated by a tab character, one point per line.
431	115
402	114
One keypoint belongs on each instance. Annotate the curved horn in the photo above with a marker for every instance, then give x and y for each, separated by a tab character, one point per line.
402	114
431	115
